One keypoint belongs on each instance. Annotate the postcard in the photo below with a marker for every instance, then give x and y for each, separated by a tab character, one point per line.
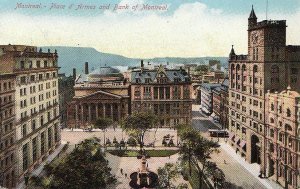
136	94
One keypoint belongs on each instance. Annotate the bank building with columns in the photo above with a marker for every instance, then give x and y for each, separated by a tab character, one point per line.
103	93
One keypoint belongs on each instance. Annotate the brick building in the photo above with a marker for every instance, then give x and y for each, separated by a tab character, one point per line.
7	130
282	137
269	65
166	92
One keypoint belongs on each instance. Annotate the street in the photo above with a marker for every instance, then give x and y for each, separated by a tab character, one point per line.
237	171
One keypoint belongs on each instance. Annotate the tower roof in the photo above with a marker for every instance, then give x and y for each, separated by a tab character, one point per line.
232	53
252	14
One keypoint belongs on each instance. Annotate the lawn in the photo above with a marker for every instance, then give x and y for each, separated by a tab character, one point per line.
151	153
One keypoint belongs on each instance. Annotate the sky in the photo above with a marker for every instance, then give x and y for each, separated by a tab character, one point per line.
184	28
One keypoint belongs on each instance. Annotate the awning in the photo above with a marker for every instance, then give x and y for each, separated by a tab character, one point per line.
243	144
237	139
231	136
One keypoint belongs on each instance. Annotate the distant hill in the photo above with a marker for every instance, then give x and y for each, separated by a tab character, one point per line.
75	57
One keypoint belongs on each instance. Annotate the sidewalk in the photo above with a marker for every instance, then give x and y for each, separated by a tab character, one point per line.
111	129
38	170
251	168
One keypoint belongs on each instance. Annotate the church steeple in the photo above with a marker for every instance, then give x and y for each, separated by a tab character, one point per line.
252	20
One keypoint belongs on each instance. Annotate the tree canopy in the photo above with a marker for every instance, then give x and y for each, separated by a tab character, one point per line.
138	123
103	123
197	150
85	167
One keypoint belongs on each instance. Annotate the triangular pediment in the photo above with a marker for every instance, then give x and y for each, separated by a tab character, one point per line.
101	95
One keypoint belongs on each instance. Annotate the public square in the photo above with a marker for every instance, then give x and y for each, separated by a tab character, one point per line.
234	167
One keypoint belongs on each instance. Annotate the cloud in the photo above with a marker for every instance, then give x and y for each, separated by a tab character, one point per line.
193	30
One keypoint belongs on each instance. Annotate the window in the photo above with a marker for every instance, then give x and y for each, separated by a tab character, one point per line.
24	130
25	157
23	80
32	78
38	64
33	126
288	112
22	65
167	92
294	71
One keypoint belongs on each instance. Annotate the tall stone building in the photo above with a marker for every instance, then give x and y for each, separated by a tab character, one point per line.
7	130
166	92
37	131
269	65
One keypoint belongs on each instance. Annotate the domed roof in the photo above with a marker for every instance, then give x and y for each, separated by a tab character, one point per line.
105	71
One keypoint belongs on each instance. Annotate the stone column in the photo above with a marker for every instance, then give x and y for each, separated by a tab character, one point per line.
82	118
76	115
103	106
111	112
97	111
90	113
119	112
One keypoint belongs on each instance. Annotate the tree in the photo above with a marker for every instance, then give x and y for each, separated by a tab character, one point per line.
197	149
85	167
137	124
166	174
103	124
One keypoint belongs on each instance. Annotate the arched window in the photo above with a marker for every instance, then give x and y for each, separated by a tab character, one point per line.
238	67
255	69
272	107
244	67
288	127
288	112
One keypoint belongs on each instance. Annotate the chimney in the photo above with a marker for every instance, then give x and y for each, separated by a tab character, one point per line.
74	73
142	65
86	68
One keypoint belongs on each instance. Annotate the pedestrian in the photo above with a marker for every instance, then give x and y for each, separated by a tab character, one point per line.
121	170
224	161
125	175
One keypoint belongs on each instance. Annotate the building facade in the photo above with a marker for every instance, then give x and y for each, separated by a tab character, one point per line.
207	96
66	93
220	101
36	104
166	92
7	130
269	65
103	93
282	137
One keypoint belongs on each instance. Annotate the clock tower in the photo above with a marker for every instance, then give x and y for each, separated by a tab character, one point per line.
266	39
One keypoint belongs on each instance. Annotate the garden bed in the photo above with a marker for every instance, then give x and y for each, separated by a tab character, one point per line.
135	153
